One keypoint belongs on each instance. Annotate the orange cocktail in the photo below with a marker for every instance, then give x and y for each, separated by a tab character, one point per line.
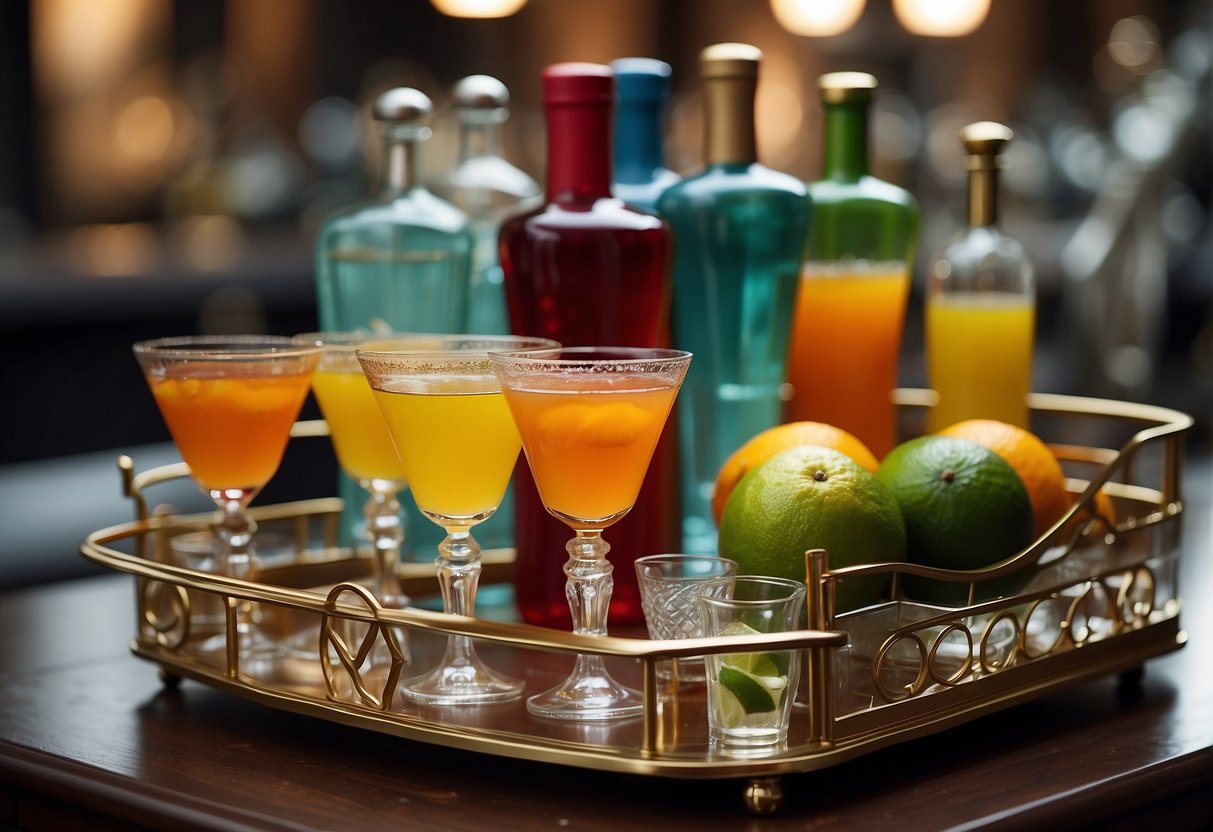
846	344
606	425
589	418
231	425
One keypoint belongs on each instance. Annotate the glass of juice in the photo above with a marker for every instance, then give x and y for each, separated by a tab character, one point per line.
589	418
363	444
457	447
229	403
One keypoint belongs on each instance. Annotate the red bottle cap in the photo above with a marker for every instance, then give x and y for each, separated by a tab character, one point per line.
578	83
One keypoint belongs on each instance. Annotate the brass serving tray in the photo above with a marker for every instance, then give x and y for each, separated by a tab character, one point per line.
1096	598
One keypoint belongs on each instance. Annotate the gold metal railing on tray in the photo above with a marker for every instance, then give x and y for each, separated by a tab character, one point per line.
1098	599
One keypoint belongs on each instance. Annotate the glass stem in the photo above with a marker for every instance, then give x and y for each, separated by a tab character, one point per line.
233	532
458	575
589	585
386	531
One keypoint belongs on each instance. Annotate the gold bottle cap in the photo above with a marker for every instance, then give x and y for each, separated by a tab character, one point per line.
846	87
729	60
984	141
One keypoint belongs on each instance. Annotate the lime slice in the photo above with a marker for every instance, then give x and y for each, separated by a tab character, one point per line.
755	694
755	664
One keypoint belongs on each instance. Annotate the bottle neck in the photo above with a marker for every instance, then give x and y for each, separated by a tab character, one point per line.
398	164
579	152
728	113
637	145
983	195
476	139
845	156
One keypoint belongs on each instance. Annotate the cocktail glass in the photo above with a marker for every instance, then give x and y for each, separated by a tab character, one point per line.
590	418
458	446
229	402
363	445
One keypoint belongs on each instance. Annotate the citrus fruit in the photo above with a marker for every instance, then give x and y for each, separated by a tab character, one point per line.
764	445
810	497
964	508
1037	467
1100	508
749	683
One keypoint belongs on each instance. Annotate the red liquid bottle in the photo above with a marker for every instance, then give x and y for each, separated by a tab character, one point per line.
588	271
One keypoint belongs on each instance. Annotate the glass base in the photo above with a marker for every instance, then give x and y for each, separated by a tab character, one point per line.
588	697
257	650
462	680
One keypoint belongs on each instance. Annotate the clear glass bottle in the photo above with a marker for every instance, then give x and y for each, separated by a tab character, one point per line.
642	86
850	311
740	233
981	304
586	270
400	261
488	188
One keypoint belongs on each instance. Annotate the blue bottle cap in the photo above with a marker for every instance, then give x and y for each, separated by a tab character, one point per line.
641	79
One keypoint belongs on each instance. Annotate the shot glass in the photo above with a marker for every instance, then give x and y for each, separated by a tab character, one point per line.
750	694
670	586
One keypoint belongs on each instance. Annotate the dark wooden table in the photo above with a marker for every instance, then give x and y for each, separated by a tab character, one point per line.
89	739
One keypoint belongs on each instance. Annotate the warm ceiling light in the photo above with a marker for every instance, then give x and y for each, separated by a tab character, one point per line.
941	18
478	8
817	18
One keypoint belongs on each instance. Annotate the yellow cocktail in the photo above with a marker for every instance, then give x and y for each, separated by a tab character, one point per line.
457	446
978	356
846	343
360	436
444	428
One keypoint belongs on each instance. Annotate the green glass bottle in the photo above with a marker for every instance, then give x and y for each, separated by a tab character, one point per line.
739	232
850	311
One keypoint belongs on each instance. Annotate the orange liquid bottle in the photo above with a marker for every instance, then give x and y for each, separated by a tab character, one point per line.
850	309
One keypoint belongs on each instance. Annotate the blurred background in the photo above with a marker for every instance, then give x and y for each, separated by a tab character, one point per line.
164	165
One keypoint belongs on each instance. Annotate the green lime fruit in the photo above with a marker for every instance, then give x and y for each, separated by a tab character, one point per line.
964	508
810	497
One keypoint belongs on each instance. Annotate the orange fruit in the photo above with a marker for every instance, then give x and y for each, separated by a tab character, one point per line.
1100	508
764	445
964	508
1031	458
810	497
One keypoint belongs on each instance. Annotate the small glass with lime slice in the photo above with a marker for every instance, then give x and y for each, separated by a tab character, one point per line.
750	694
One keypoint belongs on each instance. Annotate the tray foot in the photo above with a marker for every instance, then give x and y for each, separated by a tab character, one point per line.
763	795
170	681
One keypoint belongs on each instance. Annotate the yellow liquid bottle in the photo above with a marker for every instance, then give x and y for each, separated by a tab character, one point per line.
980	304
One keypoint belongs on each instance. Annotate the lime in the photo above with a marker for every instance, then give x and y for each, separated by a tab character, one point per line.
757	664
811	497
752	694
964	508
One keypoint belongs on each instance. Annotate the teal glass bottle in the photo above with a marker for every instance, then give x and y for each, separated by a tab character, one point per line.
739	236
401	262
488	188
642	86
855	281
